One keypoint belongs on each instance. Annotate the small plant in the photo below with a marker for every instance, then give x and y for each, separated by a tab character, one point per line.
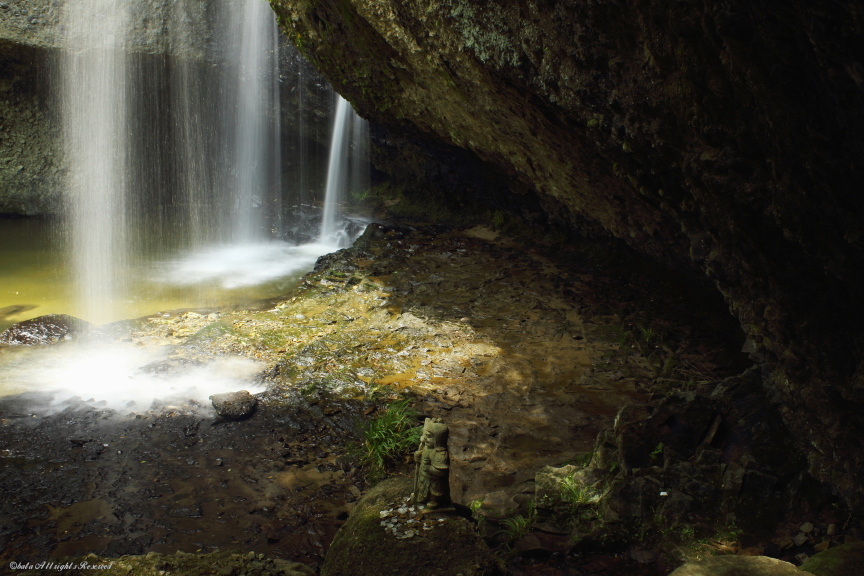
658	452
574	493
518	526
583	459
679	532
621	336
498	219
475	512
388	437
647	334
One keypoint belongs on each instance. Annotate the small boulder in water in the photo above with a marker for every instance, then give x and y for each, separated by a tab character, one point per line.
234	405
44	330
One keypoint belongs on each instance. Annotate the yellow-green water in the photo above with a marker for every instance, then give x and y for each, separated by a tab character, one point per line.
36	279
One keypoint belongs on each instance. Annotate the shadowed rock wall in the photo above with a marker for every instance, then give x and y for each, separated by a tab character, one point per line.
31	167
719	137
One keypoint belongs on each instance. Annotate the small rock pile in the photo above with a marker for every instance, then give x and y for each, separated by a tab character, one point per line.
820	537
404	520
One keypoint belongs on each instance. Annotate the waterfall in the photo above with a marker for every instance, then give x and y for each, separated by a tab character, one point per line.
95	140
172	126
255	182
350	136
196	138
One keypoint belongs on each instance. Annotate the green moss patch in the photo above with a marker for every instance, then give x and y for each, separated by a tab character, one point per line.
363	548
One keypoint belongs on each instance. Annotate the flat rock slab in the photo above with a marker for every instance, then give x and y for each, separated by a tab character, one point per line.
364	547
739	566
46	329
845	560
234	405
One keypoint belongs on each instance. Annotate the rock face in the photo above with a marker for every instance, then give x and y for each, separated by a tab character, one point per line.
717	138
155	27
31	169
684	458
43	330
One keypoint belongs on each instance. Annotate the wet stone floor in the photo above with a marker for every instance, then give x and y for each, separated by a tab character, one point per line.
525	354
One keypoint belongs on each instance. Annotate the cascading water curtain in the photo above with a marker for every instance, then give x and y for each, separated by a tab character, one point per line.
254	183
93	80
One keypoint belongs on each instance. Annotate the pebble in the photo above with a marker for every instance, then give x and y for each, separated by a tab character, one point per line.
799	539
807	527
409	519
832	530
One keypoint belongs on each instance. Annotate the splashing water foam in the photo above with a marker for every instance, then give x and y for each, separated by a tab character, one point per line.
120	376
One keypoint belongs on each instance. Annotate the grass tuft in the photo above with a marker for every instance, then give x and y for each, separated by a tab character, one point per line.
388	438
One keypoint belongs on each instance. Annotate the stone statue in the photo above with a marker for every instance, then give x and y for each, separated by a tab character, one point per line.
432	478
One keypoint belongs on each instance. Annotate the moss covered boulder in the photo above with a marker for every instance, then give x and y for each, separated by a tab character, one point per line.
739	566
380	539
845	560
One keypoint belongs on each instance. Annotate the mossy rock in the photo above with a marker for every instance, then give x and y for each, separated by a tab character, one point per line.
739	566
363	548
845	560
153	564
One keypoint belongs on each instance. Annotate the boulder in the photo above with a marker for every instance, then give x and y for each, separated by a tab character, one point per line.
366	546
234	405
845	560
550	484
43	330
739	566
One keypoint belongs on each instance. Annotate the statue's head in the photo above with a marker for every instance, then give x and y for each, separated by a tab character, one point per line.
437	434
